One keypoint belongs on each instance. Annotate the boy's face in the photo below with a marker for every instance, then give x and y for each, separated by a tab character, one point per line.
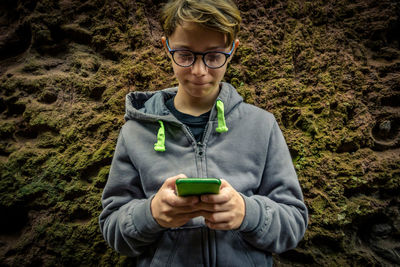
198	81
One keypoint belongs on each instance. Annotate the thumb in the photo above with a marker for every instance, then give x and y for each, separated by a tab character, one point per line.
224	183
170	182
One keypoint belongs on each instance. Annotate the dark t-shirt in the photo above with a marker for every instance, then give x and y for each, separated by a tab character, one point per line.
196	124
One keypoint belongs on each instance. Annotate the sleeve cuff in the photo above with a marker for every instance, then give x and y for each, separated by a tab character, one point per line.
143	219
252	217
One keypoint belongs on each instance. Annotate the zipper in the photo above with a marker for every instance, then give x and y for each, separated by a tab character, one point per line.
199	151
205	132
208	236
190	132
200	156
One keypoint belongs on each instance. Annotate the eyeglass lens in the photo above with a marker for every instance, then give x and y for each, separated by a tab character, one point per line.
186	58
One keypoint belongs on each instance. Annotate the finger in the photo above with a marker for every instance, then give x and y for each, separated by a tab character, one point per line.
177	220
220	198
175	201
225	194
180	219
184	210
214	207
219	217
222	220
191	215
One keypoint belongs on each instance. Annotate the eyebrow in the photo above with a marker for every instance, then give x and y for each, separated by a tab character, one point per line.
208	49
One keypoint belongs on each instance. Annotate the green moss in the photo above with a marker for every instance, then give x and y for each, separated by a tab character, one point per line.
288	68
22	157
6	129
74	190
105	151
102	176
137	37
9	184
116	103
83	61
24	173
48	140
233	72
235	82
29	85
32	67
80	159
246	93
42	193
306	124
58	169
70	135
293	8
44	120
319	205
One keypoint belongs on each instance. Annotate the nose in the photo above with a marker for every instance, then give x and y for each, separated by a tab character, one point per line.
199	68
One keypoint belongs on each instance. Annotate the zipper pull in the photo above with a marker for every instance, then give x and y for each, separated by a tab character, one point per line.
200	149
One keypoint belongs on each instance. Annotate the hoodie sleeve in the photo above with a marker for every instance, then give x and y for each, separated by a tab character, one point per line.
126	221
276	217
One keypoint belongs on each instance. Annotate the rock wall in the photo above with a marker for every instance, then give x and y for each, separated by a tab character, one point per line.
328	70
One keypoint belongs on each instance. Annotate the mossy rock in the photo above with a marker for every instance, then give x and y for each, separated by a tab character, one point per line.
326	70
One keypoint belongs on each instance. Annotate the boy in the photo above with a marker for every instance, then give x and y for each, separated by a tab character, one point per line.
202	128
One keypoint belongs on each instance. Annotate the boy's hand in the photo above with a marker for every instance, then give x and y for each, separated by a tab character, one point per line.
170	210
224	211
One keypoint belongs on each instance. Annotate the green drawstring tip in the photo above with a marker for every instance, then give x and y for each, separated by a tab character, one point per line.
221	118
160	145
222	129
158	148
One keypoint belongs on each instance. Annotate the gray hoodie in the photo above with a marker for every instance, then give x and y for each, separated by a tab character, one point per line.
251	155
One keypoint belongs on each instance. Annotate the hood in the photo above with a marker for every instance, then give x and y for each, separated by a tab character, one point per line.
150	106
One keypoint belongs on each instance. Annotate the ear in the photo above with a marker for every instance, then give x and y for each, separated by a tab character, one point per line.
164	42
237	42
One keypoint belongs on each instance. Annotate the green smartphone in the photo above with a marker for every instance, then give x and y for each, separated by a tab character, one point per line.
197	186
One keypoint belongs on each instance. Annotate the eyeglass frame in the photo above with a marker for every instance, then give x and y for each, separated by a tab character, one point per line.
227	55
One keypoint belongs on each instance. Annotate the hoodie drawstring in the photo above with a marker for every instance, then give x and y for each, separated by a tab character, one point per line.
221	118
160	145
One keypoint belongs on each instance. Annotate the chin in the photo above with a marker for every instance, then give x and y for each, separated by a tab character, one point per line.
201	90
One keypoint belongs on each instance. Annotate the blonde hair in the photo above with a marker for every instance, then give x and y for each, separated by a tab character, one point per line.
219	15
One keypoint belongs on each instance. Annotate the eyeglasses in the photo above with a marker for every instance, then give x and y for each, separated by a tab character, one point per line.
186	58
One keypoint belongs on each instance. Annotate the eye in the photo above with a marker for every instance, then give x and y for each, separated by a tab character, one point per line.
214	57
184	55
